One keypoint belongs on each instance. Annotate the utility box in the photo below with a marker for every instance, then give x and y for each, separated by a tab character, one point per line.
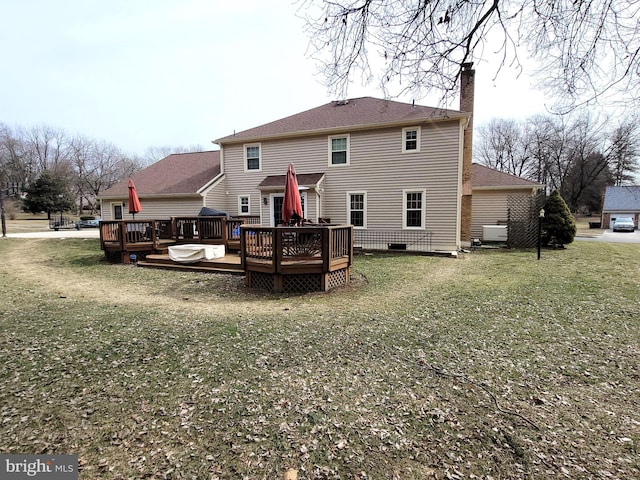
495	233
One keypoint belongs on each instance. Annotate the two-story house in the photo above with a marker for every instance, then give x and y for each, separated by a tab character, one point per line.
385	167
399	173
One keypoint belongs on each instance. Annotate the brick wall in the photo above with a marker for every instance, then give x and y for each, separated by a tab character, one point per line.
467	91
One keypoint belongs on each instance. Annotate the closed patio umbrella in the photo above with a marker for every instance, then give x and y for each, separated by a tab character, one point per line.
134	201
291	204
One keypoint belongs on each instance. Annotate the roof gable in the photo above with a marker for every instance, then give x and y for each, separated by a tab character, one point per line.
622	198
486	177
358	113
179	173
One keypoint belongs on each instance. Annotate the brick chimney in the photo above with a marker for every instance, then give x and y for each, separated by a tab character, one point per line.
467	80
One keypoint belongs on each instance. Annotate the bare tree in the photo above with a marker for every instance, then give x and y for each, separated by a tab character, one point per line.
584	165
585	49
544	135
14	170
87	166
46	149
623	150
575	154
500	146
155	154
98	165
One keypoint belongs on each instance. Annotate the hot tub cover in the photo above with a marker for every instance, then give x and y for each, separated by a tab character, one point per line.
211	212
192	253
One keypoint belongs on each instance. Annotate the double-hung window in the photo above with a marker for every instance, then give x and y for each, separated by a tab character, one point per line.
413	212
252	158
244	205
411	139
357	209
339	150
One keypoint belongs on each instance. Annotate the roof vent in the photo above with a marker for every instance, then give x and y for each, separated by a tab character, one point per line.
340	103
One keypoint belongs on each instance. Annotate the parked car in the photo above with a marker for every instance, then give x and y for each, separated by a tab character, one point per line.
623	224
88	222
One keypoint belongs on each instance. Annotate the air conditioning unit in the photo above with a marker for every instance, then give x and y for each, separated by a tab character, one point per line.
495	233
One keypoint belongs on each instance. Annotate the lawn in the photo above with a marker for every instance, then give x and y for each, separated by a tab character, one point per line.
491	366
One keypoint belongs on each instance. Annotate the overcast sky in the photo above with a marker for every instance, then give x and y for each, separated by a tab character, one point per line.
140	73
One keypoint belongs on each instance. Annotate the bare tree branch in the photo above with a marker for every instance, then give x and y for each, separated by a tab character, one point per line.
586	50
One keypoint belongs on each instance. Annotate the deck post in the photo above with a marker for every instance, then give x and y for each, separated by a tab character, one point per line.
350	249
243	249
122	230
154	239
326	243
277	249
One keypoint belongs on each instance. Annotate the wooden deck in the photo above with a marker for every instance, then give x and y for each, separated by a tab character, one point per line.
121	238
307	258
230	263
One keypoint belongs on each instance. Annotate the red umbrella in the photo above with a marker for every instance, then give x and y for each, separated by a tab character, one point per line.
291	204
134	201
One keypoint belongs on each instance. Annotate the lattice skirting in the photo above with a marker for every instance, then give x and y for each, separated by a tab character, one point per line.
116	256
299	282
339	278
260	281
113	256
308	282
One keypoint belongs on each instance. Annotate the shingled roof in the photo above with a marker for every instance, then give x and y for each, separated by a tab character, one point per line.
624	198
354	114
278	181
485	177
177	174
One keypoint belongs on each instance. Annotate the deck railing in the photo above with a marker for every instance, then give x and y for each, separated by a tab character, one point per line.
220	230
132	235
277	248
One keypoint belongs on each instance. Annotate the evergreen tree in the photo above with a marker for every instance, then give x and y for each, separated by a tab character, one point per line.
558	225
50	194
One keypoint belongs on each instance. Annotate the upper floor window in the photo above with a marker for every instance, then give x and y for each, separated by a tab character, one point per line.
357	209
244	205
252	160
411	139
339	150
413	212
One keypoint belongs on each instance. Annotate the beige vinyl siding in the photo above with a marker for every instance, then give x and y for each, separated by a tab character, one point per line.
156	208
216	197
377	166
276	156
106	208
489	207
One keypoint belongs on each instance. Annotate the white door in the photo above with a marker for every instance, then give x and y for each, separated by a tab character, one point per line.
275	209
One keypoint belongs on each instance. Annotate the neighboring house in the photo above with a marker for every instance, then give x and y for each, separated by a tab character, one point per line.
492	191
621	202
180	184
386	167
